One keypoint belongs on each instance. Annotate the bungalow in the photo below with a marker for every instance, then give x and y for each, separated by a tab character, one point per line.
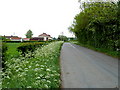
9	37
26	39
13	38
16	39
42	37
36	39
46	37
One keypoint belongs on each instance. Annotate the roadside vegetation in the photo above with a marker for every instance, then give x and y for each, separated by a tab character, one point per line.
12	50
97	26
105	51
40	71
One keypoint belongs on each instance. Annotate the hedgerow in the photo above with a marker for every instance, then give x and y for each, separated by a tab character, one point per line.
26	47
98	25
42	71
3	50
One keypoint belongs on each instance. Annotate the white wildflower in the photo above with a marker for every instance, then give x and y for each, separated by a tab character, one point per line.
29	87
48	69
38	78
37	64
46	86
29	66
48	81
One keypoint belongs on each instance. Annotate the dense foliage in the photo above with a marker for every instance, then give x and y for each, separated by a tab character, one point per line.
98	25
42	71
62	38
0	50
26	47
3	49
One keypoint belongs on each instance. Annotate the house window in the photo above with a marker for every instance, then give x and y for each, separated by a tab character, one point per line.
47	38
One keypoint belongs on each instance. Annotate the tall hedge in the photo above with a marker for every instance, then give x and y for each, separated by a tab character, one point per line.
3	55
97	25
29	47
0	48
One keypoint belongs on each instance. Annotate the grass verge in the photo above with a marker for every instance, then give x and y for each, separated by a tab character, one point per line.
40	71
101	50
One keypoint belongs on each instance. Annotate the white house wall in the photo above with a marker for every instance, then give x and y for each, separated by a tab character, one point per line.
45	38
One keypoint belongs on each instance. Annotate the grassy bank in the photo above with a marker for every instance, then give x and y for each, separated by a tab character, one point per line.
40	71
105	51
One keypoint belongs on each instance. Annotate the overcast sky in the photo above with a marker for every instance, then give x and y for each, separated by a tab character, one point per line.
48	16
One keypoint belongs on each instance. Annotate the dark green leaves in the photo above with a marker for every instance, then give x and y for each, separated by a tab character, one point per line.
97	24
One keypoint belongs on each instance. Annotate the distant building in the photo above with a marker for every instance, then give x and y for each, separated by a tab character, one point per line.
16	39
26	39
9	37
42	37
13	38
36	39
46	37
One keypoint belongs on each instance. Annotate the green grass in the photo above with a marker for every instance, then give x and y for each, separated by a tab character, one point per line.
12	50
101	50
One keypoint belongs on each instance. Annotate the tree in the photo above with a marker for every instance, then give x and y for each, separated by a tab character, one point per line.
29	34
62	37
96	25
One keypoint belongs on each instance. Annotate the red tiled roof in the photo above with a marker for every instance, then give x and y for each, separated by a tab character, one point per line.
15	38
44	34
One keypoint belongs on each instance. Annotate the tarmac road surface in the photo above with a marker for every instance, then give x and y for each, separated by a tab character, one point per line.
85	68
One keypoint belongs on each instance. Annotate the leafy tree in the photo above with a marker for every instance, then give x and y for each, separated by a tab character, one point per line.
96	25
62	37
29	34
54	38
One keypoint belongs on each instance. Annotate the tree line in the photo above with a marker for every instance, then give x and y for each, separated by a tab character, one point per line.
98	25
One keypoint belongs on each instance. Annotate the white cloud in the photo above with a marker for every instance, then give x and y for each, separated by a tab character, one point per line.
49	16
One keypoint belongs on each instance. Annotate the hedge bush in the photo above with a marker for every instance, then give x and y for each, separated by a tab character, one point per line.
0	50
3	56
29	47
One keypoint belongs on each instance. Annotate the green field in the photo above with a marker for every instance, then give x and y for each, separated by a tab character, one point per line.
12	50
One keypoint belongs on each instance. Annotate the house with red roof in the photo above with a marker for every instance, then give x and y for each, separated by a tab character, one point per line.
26	39
42	37
37	39
16	39
46	37
9	37
13	38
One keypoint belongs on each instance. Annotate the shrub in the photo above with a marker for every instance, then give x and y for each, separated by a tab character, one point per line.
26	47
8	41
0	50
3	49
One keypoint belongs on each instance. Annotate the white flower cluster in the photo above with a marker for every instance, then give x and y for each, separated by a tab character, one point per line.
42	71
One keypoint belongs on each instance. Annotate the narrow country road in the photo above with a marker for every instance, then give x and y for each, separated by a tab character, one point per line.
85	68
